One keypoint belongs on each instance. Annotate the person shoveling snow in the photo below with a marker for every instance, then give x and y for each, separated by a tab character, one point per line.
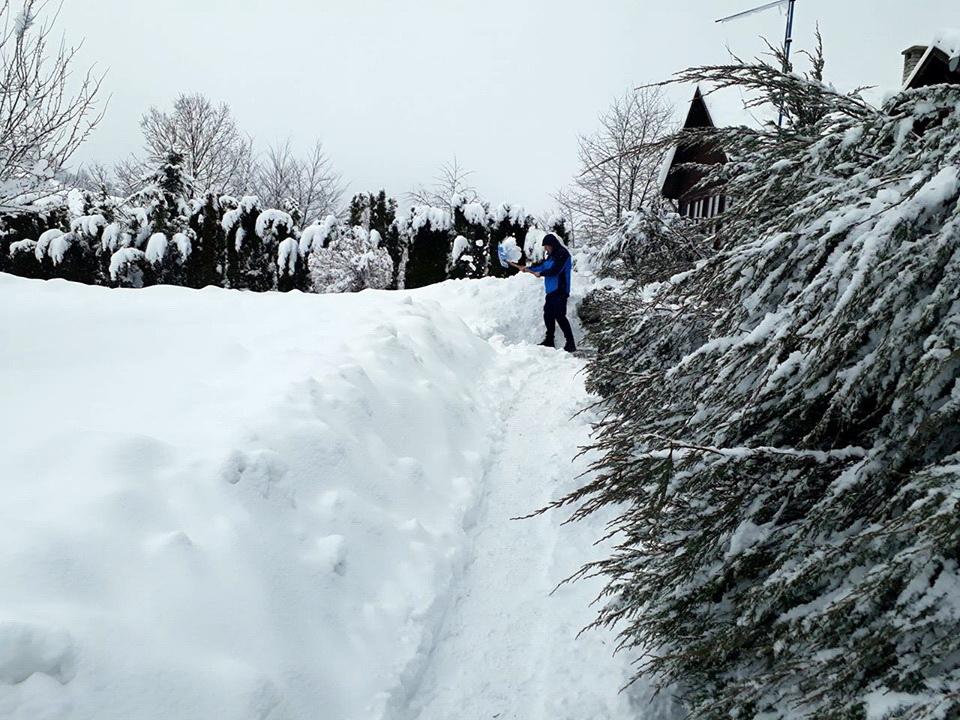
556	270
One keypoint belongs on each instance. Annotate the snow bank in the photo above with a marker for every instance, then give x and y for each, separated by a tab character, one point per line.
213	510
510	309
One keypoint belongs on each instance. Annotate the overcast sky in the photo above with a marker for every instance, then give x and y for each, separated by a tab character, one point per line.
396	87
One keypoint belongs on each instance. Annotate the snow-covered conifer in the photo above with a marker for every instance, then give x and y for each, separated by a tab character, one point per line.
209	256
22	259
251	259
348	260
427	230
468	258
129	267
781	444
651	246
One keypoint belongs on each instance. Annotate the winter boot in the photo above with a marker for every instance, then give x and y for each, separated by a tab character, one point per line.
570	347
547	342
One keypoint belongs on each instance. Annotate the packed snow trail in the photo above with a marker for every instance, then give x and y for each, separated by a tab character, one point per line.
292	507
507	648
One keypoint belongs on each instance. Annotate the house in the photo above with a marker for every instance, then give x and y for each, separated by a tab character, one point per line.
679	180
933	64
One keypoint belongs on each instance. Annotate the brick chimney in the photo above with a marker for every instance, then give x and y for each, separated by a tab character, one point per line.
911	57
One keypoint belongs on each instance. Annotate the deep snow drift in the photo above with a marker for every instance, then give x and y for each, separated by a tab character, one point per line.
231	505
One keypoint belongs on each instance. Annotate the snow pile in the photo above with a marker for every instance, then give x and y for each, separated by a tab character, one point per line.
246	206
59	245
270	531
504	310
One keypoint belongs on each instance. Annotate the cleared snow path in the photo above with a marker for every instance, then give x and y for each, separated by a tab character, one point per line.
507	648
291	507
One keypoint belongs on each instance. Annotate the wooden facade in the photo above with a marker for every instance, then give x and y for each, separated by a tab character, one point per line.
680	181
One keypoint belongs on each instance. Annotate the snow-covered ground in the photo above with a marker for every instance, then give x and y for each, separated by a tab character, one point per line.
238	506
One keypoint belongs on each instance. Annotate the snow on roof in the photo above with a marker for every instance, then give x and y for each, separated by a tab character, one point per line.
665	167
947	42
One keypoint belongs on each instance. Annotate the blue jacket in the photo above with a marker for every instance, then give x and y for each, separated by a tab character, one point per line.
556	271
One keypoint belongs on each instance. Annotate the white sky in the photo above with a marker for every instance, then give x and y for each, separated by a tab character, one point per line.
395	88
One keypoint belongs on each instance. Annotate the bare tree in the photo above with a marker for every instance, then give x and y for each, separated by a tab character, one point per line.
451	182
131	174
619	164
96	178
215	153
309	184
41	123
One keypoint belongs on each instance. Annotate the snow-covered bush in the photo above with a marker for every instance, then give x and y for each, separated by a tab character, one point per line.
782	441
468	257
23	259
650	246
208	255
378	212
168	258
348	260
128	267
65	255
251	259
427	232
533	244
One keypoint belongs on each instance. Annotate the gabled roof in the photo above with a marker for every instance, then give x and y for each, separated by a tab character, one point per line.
709	108
940	61
698	116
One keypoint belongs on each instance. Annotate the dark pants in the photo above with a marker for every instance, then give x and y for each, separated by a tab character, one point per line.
555	313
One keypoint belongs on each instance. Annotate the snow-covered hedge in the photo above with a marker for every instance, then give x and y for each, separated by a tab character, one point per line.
237	243
782	440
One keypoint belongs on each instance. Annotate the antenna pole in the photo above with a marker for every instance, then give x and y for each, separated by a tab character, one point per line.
787	38
787	44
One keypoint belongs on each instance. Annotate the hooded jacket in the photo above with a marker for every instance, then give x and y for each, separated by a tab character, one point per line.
556	271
